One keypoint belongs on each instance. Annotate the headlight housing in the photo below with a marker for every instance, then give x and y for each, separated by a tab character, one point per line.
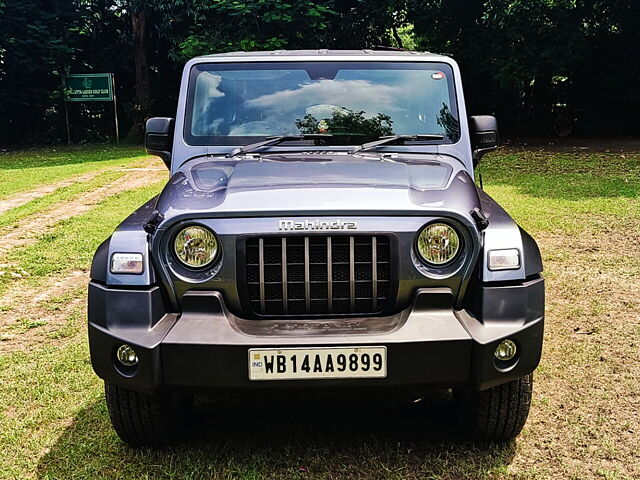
438	243
195	246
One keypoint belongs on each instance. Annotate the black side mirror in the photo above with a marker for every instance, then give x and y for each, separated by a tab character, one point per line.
484	135
158	138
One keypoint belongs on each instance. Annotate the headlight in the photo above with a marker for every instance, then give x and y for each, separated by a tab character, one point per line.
438	243
196	246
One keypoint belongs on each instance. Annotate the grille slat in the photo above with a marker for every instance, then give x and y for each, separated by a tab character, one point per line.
261	266
307	285
317	274
285	293
352	273
329	277
374	272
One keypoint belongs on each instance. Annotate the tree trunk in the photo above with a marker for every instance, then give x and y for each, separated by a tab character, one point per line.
141	68
540	102
396	36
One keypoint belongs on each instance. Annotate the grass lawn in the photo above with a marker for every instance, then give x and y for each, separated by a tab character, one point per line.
25	170
582	208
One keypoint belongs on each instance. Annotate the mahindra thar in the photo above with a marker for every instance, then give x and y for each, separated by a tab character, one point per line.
321	231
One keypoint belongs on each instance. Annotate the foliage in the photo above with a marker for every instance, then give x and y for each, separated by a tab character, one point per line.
344	121
542	66
533	62
253	25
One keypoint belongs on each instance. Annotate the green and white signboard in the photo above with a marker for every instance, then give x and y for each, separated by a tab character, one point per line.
89	87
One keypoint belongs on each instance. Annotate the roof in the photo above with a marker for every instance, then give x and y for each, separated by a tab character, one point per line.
325	54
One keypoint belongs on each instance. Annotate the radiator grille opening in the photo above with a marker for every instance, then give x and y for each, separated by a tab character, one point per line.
317	275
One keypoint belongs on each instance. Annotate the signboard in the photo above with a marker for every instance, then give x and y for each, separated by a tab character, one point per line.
88	87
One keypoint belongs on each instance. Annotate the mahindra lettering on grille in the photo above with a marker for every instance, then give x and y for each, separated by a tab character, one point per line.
317	275
287	225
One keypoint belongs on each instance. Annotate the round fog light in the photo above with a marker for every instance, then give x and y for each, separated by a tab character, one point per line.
127	356
506	350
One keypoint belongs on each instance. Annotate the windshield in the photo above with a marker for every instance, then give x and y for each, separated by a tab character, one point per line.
356	102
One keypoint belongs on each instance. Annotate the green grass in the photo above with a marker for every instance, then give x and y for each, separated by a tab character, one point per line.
87	448
57	197
563	192
71	245
54	424
26	169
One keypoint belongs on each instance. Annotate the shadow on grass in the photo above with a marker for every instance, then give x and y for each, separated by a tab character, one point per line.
266	440
65	155
564	176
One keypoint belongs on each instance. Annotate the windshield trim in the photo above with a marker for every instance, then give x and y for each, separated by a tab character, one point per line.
238	141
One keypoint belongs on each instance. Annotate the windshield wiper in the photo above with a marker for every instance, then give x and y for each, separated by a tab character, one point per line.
394	139
276	140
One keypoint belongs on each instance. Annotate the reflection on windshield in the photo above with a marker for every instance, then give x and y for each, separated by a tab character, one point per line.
359	101
447	121
348	123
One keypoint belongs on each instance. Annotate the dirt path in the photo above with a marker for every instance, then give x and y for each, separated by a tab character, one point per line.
36	314
22	198
29	229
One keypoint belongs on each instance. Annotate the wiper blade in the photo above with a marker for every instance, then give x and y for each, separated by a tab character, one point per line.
394	139
276	140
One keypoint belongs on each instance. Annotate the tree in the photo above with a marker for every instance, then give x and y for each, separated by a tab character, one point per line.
346	122
34	47
530	60
225	25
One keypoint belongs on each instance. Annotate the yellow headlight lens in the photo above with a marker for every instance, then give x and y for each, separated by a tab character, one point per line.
438	243
196	246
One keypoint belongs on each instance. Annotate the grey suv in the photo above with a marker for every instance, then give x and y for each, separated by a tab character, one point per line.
321	230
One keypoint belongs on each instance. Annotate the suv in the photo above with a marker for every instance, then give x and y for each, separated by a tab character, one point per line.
321	231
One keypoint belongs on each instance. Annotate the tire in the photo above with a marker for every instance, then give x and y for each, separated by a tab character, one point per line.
498	413
147	420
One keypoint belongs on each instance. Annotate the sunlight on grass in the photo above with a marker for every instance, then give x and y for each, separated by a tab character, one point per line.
564	193
57	197
27	169
72	243
54	424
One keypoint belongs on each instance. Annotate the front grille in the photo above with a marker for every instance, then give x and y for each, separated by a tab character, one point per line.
317	275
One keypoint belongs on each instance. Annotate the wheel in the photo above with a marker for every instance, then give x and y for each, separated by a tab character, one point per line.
498	413
142	420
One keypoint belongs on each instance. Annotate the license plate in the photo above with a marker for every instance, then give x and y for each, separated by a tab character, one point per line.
317	363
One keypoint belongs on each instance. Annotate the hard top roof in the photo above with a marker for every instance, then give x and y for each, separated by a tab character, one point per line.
325	54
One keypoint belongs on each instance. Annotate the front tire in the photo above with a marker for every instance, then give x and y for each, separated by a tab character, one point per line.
147	420
498	413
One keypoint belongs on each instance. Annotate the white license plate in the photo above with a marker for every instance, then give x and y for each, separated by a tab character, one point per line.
314	363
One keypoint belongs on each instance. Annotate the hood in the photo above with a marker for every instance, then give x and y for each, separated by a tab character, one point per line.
318	184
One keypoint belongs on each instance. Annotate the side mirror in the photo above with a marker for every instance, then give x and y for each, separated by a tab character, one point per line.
158	138
484	135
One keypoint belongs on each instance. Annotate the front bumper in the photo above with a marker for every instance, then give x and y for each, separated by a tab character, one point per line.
429	345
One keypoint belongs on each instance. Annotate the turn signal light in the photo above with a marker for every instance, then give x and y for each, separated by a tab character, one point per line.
127	263
506	259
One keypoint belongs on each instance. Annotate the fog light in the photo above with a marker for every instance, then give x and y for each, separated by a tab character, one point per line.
127	356
506	350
